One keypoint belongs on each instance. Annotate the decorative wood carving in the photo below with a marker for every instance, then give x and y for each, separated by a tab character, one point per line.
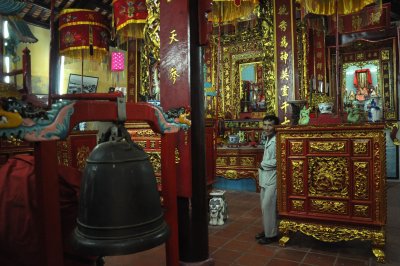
331	183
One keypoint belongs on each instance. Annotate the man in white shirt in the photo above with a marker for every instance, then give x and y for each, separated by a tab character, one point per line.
267	181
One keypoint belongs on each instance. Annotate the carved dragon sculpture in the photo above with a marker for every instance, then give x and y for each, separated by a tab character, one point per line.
51	125
54	123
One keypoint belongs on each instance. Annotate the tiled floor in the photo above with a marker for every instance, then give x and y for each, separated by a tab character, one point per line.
234	243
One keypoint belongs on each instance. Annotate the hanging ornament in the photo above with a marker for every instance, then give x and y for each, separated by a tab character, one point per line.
83	34
129	18
231	10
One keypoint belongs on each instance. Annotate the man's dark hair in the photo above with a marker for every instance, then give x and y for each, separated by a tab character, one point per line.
273	118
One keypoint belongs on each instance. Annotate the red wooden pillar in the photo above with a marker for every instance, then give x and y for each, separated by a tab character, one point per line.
174	79
48	203
169	193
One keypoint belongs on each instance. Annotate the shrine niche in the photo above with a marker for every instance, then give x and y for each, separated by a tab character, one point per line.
240	56
241	51
367	76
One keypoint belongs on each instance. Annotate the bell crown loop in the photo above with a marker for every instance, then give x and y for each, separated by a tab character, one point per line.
116	146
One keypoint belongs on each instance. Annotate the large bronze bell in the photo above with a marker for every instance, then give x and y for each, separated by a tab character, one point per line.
119	208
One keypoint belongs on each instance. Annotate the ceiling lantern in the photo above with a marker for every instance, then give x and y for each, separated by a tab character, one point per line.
231	10
129	18
84	34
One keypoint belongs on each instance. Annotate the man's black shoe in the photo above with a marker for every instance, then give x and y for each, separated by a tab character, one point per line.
267	240
260	235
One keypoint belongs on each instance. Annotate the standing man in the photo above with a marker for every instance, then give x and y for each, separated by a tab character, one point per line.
267	181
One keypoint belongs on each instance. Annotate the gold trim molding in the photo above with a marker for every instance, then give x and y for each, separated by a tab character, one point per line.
335	233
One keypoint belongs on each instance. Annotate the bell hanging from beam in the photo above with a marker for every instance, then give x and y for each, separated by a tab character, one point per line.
119	209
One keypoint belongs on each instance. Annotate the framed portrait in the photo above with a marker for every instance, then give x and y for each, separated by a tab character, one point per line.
43	98
75	84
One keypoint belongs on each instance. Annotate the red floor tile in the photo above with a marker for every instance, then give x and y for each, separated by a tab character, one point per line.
319	259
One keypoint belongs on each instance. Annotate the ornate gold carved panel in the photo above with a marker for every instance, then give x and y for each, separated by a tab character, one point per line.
360	147
74	150
232	161
236	49
298	205
297	177
361	180
296	147
236	163
361	211
221	161
328	207
82	154
247	161
328	176
327	146
155	159
342	168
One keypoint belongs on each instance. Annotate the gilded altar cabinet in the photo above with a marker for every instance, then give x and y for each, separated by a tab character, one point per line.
332	183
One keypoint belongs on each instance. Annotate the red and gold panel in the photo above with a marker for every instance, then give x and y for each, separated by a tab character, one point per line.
284	13
337	177
319	61
297	170
328	207
361	147
298	205
174	80
76	149
361	182
328	177
370	18
328	146
236	163
362	211
296	147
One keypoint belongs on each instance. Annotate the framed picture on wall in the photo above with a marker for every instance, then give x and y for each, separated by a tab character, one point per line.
75	84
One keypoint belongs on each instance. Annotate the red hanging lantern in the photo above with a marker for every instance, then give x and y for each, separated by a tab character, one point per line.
83	33
129	18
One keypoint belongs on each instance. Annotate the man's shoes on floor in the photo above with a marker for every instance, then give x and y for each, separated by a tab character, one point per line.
267	240
260	235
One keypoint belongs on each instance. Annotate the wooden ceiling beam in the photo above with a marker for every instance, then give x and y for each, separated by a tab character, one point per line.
34	21
92	5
